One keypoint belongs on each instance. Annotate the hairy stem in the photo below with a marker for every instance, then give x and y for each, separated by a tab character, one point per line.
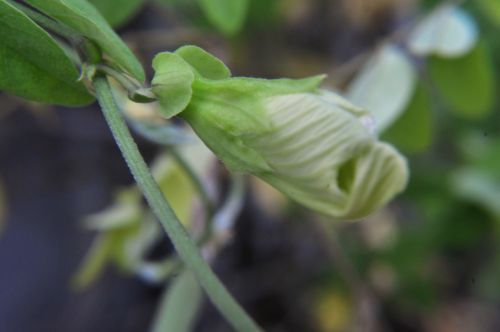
185	246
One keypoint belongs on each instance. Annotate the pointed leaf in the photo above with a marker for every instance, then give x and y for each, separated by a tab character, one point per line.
96	259
85	19
33	65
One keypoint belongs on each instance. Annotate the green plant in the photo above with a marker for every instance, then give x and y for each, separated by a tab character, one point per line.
64	52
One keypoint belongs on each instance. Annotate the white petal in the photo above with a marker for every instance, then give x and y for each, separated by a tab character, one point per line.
448	31
323	157
384	86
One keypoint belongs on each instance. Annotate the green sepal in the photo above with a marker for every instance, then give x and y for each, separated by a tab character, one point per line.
230	148
204	63
225	113
172	83
84	18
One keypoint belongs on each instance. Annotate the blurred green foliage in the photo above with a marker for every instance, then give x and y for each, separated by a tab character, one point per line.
466	83
118	12
441	108
442	235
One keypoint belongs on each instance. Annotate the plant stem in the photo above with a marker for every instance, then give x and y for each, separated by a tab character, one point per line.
182	242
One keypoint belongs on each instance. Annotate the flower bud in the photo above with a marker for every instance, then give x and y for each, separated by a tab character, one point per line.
312	145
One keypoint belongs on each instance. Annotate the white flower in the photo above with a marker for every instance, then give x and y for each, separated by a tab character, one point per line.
313	145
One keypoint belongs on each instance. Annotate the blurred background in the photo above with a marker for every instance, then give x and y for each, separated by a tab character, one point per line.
79	250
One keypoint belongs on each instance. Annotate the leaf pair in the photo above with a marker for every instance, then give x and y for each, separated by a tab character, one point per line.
36	67
33	65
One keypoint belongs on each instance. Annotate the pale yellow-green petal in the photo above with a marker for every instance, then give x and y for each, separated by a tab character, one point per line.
380	174
324	157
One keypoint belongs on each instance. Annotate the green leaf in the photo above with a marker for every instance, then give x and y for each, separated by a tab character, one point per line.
33	65
116	216
95	261
448	32
226	15
117	12
479	187
204	63
179	305
172	83
384	86
467	83
491	8
85	19
176	185
413	131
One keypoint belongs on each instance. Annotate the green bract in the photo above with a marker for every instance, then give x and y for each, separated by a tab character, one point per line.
32	63
86	20
312	145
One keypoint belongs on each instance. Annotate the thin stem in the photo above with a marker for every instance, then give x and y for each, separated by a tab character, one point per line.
223	221
121	78
183	243
195	180
136	92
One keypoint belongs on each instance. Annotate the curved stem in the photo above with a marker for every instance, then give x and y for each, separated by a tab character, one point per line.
183	243
121	78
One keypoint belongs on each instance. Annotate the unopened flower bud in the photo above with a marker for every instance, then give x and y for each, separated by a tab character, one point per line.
312	145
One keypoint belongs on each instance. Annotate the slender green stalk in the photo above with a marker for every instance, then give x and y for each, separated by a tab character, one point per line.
136	92
185	246
121	78
195	180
